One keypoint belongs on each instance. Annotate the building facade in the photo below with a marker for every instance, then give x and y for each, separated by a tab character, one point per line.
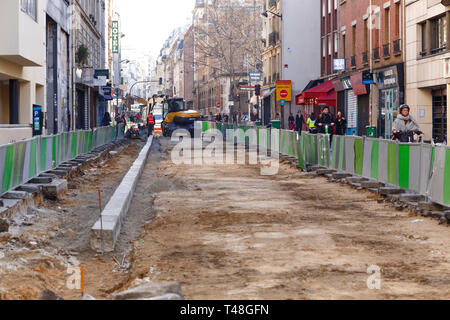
300	49
427	66
22	67
89	55
59	66
371	88
272	59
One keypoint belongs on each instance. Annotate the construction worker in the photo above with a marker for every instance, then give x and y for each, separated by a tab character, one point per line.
150	124
311	122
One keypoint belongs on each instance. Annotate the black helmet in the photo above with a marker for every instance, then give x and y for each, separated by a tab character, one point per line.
404	106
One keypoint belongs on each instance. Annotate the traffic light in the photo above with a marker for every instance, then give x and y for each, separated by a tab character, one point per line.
258	90
160	81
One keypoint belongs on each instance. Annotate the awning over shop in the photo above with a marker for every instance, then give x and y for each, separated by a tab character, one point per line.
267	92
323	95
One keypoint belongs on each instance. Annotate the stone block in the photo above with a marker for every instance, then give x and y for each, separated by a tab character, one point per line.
371	184
150	291
19	195
355	179
391	191
55	190
323	172
41	180
341	175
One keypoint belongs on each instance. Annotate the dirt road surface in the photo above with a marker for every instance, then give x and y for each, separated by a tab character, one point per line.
226	232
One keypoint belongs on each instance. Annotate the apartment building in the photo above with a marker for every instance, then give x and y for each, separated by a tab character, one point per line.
272	59
59	66
89	55
22	67
428	65
371	88
291	52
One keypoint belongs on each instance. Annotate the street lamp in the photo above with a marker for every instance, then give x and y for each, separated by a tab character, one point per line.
265	15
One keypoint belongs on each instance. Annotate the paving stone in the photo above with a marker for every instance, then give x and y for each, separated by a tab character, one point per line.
431	206
19	195
391	191
150	291
355	179
55	190
371	184
41	180
341	175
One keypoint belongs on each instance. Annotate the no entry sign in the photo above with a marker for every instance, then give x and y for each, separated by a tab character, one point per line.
284	90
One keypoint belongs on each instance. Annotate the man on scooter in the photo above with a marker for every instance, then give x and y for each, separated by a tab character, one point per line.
405	126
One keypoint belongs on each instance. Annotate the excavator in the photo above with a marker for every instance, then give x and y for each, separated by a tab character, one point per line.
177	116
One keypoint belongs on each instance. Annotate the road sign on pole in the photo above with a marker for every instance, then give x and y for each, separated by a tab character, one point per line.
284	90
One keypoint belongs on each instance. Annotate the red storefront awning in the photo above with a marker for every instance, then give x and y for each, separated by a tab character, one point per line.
323	94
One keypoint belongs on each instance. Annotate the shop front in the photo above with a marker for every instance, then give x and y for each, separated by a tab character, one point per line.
390	84
317	98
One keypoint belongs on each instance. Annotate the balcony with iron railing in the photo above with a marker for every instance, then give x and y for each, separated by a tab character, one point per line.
376	54
397	47
273	38
275	76
386	51
365	58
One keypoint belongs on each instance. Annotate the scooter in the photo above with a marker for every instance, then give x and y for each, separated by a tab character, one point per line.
408	136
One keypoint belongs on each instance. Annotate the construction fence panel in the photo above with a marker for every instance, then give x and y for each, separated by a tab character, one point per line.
439	188
24	160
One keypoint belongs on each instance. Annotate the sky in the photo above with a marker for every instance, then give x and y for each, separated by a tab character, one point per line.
148	23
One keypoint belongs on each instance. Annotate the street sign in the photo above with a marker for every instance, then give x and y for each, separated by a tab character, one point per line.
115	36
282	103
247	88
100	77
339	64
255	76
284	90
37	120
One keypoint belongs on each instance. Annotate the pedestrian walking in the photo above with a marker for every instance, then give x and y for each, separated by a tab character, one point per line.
311	123
341	124
291	121
299	122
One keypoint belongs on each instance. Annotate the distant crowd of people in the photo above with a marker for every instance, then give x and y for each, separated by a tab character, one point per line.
324	123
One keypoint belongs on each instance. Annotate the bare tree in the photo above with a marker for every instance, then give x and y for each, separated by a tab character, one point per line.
229	37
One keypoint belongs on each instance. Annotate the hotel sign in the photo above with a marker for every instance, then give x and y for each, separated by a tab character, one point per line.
115	37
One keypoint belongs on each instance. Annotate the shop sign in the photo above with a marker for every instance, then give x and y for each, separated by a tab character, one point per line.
347	84
115	36
359	88
387	78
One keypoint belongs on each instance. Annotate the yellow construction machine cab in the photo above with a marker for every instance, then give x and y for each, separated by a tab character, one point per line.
177	116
